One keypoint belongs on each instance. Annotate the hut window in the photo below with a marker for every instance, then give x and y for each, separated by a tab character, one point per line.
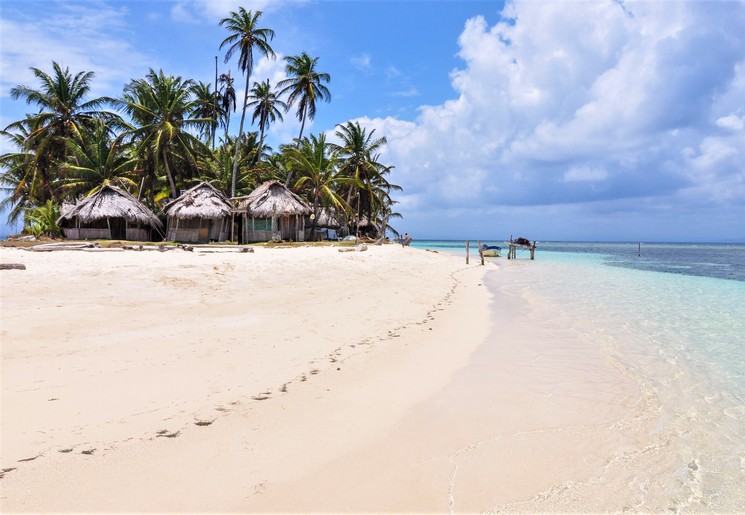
262	224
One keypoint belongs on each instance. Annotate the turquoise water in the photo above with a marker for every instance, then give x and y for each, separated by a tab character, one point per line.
673	319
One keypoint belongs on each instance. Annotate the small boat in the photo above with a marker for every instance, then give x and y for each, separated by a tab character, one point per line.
490	250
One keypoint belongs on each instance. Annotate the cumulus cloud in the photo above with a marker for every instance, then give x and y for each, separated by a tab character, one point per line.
100	31
572	103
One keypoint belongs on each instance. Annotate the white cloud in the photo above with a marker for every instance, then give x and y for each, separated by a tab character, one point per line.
731	122
361	62
100	32
571	103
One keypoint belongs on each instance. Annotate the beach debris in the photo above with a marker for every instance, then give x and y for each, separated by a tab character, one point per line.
66	450
314	371
261	397
32	458
64	245
284	388
12	266
53	399
347	249
198	422
165	434
361	247
88	452
6	470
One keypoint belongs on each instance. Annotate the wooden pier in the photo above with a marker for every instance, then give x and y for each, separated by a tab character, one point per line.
520	244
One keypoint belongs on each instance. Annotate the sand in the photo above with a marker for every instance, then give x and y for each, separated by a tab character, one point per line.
298	379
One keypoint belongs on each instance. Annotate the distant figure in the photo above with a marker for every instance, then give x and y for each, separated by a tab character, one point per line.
406	240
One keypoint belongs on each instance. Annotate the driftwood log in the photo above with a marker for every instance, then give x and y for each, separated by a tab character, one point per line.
12	266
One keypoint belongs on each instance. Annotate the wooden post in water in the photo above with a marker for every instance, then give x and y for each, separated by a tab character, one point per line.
532	251
481	253
639	251
468	244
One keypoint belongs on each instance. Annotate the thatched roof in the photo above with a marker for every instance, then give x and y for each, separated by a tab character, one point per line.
110	202
328	217
271	199
202	201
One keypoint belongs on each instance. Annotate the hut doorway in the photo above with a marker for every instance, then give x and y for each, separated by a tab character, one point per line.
118	228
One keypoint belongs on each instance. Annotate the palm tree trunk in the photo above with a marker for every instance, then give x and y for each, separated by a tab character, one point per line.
261	146
240	134
302	126
174	191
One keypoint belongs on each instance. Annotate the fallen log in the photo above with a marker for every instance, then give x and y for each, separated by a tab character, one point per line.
12	266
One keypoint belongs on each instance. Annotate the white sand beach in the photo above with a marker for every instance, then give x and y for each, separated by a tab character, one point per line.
299	379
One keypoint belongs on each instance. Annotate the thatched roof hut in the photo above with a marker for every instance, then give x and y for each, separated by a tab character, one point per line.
328	217
110	213
200	214
271	212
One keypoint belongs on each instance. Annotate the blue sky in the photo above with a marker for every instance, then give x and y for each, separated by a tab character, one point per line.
603	120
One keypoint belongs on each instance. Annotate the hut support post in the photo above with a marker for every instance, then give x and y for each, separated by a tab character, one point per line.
481	253
468	250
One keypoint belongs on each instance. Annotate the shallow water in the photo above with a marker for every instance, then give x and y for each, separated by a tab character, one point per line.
674	322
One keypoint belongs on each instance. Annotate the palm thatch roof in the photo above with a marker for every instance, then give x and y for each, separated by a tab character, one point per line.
328	217
272	199
202	201
110	202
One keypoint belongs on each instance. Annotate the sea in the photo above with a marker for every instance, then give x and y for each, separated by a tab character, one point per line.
672	316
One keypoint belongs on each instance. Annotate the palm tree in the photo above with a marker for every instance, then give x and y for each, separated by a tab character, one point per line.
319	177
217	170
245	35
226	100
160	107
358	156
19	181
64	113
304	86
96	162
266	106
204	107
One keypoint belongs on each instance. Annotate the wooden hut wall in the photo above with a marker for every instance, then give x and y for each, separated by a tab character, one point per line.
197	230
256	229
103	229
288	227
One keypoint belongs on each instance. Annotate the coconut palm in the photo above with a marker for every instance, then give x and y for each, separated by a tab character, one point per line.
304	85
266	106
98	161
245	36
160	107
218	170
64	113
205	107
19	181
319	178
226	100
358	158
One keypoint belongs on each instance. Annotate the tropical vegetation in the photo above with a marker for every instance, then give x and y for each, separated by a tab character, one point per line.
160	136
